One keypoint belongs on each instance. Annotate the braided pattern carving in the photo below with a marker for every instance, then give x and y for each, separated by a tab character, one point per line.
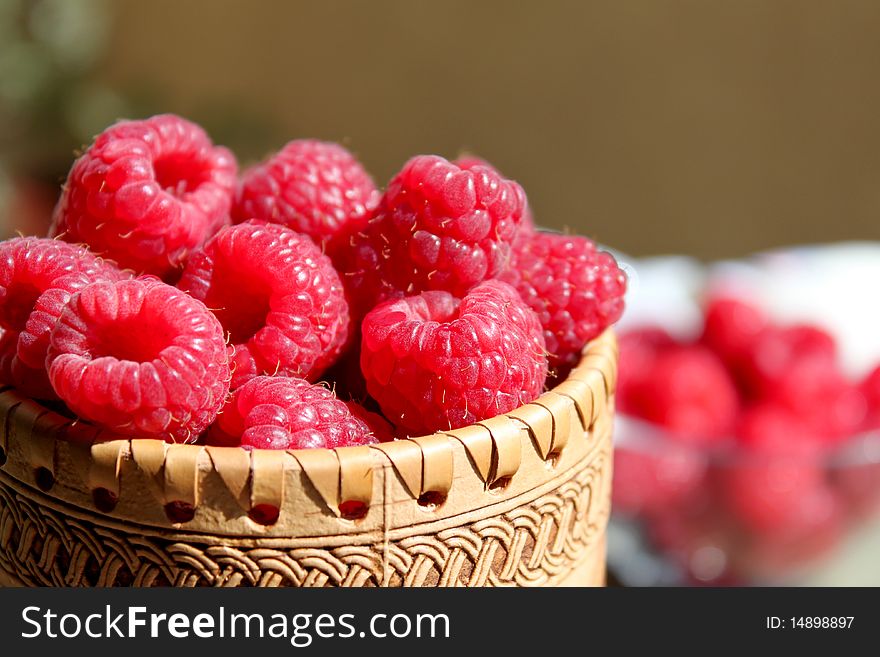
533	544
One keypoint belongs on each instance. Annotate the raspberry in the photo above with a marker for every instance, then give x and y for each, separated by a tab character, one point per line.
37	279
775	471
433	362
812	531
776	431
796	367
731	327
787	362
646	482
146	193
437	227
576	290
773	495
313	187
279	412
839	410
689	393
276	294
140	356
638	348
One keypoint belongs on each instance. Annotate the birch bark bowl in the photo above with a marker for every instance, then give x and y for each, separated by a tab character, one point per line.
522	499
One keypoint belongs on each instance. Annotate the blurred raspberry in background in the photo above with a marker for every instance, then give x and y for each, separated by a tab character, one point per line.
747	443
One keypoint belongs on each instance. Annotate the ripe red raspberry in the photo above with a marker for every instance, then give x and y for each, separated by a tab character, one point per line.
312	187
277	296
838	409
786	363
146	193
647	481
279	412
796	367
731	328
771	495
435	363
140	356
688	392
775	430
638	348
774	473
812	530
37	278
437	227
576	290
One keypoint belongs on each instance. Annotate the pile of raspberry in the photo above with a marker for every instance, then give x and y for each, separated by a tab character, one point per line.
296	306
744	443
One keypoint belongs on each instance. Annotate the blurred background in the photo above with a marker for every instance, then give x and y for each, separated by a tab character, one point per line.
710	129
714	128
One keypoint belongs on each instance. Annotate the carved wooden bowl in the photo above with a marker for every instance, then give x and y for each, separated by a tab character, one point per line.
522	499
